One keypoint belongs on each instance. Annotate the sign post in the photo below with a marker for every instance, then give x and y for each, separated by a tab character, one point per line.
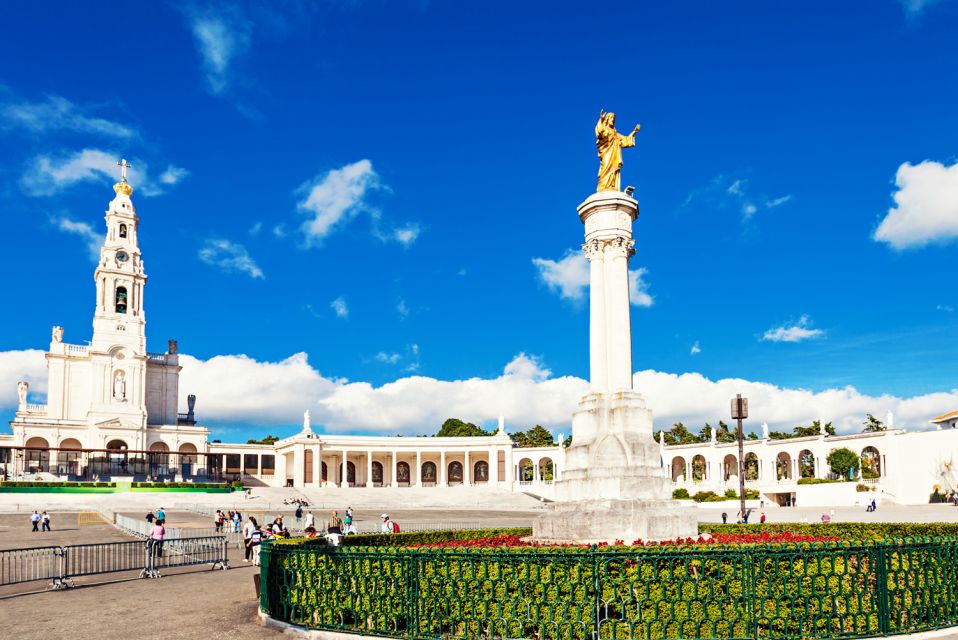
740	412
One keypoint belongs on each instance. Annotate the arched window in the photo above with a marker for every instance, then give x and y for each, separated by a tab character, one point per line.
698	468
871	463
429	472
678	469
122	230
806	464
729	467
546	470
783	466
526	470
402	473
121	299
480	471
325	471
455	472
751	466
350	474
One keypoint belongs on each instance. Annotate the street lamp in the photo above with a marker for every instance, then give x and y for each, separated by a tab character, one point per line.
740	412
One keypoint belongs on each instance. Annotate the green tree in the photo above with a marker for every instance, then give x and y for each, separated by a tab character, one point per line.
751	436
568	441
724	434
873	424
270	439
537	436
814	429
456	428
843	461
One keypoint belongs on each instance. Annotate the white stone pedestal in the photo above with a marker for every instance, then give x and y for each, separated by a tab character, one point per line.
612	486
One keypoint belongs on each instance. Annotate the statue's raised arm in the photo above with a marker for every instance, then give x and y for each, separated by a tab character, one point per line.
610	144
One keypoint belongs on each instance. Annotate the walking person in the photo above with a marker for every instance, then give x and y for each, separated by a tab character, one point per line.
150	518
334	529
237	522
45	521
248	529
310	520
254	541
724	518
299	513
35	520
161	514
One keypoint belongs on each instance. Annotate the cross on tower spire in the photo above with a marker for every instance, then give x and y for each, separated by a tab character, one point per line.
124	165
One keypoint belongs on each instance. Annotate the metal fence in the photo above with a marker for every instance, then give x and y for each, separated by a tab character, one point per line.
141	529
26	565
821	590
61	564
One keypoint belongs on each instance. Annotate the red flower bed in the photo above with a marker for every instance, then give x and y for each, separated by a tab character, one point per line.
716	538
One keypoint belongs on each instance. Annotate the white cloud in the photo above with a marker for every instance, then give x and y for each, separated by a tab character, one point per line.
85	232
173	175
339	306
279	231
231	257
406	235
221	38
638	288
255	229
926	206
238	388
389	358
569	277
28	365
47	175
336	197
771	204
726	192
795	332
695	348
58	114
402	309
946	308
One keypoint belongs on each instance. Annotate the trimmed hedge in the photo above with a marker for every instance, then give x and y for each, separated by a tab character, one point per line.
848	530
179	485
817	481
405	539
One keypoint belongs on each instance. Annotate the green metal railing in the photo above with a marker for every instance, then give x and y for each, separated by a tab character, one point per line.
820	590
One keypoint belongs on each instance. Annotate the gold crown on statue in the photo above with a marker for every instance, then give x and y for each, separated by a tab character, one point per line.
123	187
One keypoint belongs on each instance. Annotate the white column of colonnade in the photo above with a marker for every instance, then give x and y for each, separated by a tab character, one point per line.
369	468
418	468
394	481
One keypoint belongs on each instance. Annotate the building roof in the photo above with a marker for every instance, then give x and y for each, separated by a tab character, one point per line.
945	418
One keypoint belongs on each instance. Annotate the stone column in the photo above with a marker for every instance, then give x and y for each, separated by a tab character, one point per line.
344	482
442	468
619	339
369	468
418	467
510	471
466	472
598	365
299	467
317	465
393	481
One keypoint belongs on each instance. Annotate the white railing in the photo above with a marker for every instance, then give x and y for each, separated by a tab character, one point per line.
78	349
36	408
161	357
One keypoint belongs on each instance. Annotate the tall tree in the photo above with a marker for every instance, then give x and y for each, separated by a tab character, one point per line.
456	428
537	436
873	424
843	461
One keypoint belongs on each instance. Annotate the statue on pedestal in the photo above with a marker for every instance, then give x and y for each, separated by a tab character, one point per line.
172	347
22	388
57	334
119	386
610	144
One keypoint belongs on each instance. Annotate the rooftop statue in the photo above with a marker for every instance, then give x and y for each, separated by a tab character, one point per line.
610	143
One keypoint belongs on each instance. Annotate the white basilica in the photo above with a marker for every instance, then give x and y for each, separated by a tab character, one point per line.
111	412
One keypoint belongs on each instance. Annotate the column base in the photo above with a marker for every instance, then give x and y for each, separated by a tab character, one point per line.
594	521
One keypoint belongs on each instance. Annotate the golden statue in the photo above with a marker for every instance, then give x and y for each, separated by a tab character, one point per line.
610	143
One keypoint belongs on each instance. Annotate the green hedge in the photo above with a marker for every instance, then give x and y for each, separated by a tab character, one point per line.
846	530
821	590
817	481
406	539
179	485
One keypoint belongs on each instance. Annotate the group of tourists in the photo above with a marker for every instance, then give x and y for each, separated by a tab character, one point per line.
254	534
40	521
227	521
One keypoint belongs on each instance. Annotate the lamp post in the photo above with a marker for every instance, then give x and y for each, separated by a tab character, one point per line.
740	412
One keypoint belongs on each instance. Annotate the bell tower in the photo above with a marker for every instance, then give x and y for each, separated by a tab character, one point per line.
118	348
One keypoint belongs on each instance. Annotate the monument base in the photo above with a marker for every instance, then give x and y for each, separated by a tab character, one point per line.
594	521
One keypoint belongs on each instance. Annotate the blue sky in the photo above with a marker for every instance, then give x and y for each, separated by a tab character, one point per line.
390	188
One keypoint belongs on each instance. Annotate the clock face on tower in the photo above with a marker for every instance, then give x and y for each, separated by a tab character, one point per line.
122	256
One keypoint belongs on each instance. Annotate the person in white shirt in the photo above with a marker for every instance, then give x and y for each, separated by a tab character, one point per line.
309	521
387	524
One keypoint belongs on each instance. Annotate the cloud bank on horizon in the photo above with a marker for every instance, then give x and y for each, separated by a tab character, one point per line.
236	391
